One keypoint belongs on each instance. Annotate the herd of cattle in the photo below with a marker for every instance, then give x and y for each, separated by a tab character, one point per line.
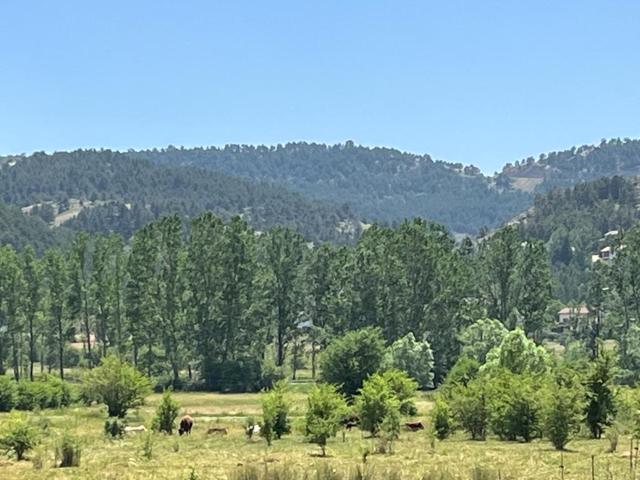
186	425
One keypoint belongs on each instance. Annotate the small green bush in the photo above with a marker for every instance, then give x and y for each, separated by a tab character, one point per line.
18	436
7	394
441	420
116	384
114	428
275	413
166	413
45	392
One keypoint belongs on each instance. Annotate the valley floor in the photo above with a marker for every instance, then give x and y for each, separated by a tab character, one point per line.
209	457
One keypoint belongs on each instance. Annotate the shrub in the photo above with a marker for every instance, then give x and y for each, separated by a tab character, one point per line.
351	358
600	409
68	452
275	411
471	409
18	436
390	428
461	374
375	401
441	420
562	414
114	428
116	384
413	357
46	392
325	408
515	406
404	388
7	393
147	445
166	413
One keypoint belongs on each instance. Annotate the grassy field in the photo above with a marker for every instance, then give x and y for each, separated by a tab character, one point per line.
209	457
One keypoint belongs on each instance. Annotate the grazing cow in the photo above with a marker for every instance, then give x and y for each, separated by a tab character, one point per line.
252	430
186	424
138	429
217	431
350	421
414	426
350	425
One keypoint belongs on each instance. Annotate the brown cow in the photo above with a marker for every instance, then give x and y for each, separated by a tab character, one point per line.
186	424
217	430
414	426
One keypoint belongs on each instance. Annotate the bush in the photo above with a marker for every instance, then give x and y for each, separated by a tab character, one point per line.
116	384
441	420
461	374
515	406
68	452
114	428
46	392
601	406
562	414
18	436
275	411
413	357
7	393
325	408
166	413
374	403
471	409
404	388
351	358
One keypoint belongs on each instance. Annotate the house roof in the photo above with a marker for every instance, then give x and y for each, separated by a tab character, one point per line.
581	310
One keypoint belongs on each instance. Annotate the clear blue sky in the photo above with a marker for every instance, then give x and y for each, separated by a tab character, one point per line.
482	82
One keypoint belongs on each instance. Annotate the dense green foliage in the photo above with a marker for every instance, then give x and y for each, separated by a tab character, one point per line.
381	184
349	360
275	413
18	436
116	384
578	164
572	223
121	195
166	414
325	409
413	357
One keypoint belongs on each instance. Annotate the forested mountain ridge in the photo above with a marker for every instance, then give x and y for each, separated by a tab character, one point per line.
572	221
380	184
566	168
20	230
127	193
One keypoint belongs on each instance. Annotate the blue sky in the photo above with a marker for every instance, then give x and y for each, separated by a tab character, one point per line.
482	82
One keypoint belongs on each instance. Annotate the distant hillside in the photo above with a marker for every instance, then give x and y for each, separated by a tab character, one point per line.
125	193
563	169
19	230
572	221
380	184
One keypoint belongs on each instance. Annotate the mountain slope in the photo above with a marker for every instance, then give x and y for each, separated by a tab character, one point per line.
566	168
19	230
378	183
126	193
573	221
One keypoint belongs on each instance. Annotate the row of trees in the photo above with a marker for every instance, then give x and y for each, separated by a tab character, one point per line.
235	304
513	388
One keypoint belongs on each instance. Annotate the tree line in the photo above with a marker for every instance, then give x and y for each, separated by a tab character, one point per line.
226	307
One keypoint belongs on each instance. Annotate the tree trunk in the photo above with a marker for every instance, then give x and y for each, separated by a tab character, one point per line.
60	347
14	358
32	348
